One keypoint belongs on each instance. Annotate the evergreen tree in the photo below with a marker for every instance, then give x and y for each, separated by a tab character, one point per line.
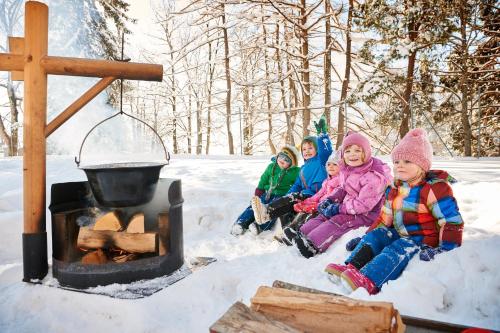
405	28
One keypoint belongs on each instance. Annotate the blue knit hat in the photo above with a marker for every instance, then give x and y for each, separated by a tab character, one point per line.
312	140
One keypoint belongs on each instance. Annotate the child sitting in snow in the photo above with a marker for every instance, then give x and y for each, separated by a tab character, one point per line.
419	213
355	203
276	180
308	208
315	151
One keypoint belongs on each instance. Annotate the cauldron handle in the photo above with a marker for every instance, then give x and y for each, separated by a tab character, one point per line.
78	160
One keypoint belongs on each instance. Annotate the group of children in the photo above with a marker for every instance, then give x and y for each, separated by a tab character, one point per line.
335	192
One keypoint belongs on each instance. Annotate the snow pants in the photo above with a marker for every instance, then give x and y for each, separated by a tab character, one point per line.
390	254
246	218
323	231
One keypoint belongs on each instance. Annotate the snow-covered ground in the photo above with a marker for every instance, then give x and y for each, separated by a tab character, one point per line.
462	286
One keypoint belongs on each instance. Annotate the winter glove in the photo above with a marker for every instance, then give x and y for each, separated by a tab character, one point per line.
330	210
321	125
351	245
258	192
427	253
323	204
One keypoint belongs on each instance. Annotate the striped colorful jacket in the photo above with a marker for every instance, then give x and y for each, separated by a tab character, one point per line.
426	211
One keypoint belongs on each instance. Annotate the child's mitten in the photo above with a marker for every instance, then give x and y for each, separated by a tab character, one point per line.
321	127
427	253
323	204
351	245
258	192
329	211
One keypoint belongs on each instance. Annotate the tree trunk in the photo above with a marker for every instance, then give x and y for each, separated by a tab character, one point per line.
347	77
11	141
412	34
405	127
306	84
199	139
289	135
228	83
327	69
292	103
464	80
268	91
173	97
189	124
209	93
247	123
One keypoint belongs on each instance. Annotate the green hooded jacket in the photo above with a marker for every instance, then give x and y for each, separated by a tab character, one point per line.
278	179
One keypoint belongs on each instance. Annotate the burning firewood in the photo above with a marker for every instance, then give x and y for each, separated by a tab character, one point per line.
95	257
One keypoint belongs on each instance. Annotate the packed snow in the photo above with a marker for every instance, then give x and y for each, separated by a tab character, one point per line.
461	286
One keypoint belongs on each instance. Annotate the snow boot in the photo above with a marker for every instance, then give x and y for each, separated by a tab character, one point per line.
305	246
353	279
334	271
289	235
280	206
254	229
237	230
259	211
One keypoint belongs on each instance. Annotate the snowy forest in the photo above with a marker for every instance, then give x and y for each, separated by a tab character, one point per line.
247	76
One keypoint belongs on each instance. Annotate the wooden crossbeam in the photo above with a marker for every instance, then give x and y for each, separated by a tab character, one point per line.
86	67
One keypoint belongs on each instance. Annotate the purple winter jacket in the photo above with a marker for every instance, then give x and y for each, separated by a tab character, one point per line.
364	186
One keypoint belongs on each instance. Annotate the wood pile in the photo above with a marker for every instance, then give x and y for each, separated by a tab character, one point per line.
108	240
277	309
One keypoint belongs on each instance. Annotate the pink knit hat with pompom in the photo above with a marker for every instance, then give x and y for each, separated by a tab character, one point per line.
414	147
353	138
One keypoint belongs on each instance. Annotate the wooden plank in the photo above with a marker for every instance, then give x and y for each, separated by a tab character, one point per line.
164	226
324	313
133	243
102	68
239	318
77	105
16	46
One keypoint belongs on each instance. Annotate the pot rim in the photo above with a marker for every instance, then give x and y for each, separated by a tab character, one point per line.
123	165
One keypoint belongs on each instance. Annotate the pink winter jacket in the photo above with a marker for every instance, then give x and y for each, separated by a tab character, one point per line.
364	186
310	204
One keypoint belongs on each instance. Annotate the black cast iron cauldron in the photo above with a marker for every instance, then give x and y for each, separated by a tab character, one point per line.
123	184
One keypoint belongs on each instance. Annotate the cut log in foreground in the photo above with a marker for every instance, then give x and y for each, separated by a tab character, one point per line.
102	239
239	318
413	324
326	313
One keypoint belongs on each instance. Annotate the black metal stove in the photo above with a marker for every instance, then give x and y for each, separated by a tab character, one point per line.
73	202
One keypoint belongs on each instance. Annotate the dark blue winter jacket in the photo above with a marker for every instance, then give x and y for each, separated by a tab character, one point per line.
313	172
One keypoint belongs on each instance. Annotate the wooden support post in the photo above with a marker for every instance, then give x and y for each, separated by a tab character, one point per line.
78	104
36	26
